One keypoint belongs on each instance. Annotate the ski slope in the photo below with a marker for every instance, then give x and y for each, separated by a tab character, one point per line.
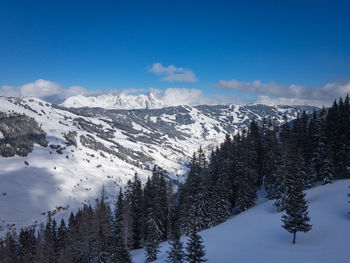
257	236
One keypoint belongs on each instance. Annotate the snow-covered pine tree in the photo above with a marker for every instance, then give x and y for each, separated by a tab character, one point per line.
247	174
327	171
349	201
120	252
148	208
195	250
103	235
271	149
280	187
176	253
26	245
221	182
152	241
50	240
160	202
61	235
135	198
220	208
296	217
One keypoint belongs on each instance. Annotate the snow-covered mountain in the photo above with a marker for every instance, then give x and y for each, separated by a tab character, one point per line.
115	101
54	158
256	235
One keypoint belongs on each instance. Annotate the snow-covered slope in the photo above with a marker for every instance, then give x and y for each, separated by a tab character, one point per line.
257	236
115	101
76	151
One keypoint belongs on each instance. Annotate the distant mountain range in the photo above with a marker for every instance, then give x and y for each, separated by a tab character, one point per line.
115	101
57	157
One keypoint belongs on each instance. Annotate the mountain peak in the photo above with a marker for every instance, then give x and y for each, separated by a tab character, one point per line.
115	101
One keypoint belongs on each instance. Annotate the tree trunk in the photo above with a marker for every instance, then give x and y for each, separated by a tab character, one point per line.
294	235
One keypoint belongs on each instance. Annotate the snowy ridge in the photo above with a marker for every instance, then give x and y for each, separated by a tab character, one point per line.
114	101
88	148
256	235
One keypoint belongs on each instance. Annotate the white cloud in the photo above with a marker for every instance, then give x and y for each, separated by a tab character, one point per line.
172	73
289	101
182	96
45	89
272	93
40	88
132	90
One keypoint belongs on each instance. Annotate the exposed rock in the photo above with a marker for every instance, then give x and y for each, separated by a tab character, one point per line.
20	132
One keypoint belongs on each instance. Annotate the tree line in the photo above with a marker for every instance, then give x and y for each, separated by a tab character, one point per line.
283	160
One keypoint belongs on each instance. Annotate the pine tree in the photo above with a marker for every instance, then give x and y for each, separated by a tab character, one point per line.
120	253
220	183
101	234
327	171
26	245
152	241
10	249
296	216
195	250
247	174
50	240
349	196
61	236
197	203
280	187
135	199
176	253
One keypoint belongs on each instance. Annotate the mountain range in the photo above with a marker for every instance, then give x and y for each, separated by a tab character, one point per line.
115	101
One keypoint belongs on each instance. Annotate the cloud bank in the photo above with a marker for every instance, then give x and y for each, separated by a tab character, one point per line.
55	93
46	89
181	96
172	73
264	93
272	93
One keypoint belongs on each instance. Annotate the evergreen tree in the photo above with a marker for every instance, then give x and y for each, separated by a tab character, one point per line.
152	241
135	199
195	250
61	236
120	253
176	253
247	174
102	231
296	217
197	202
9	249
27	245
327	171
50	241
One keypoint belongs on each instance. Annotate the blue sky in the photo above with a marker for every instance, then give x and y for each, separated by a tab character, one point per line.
293	50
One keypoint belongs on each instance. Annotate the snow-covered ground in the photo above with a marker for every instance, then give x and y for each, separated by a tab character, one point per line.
257	236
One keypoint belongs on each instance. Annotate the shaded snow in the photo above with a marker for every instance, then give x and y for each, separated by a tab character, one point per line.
257	236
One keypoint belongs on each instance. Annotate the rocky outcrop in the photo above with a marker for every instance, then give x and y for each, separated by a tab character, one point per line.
19	133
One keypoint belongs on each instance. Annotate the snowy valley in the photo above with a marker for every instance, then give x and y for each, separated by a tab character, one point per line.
56	158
